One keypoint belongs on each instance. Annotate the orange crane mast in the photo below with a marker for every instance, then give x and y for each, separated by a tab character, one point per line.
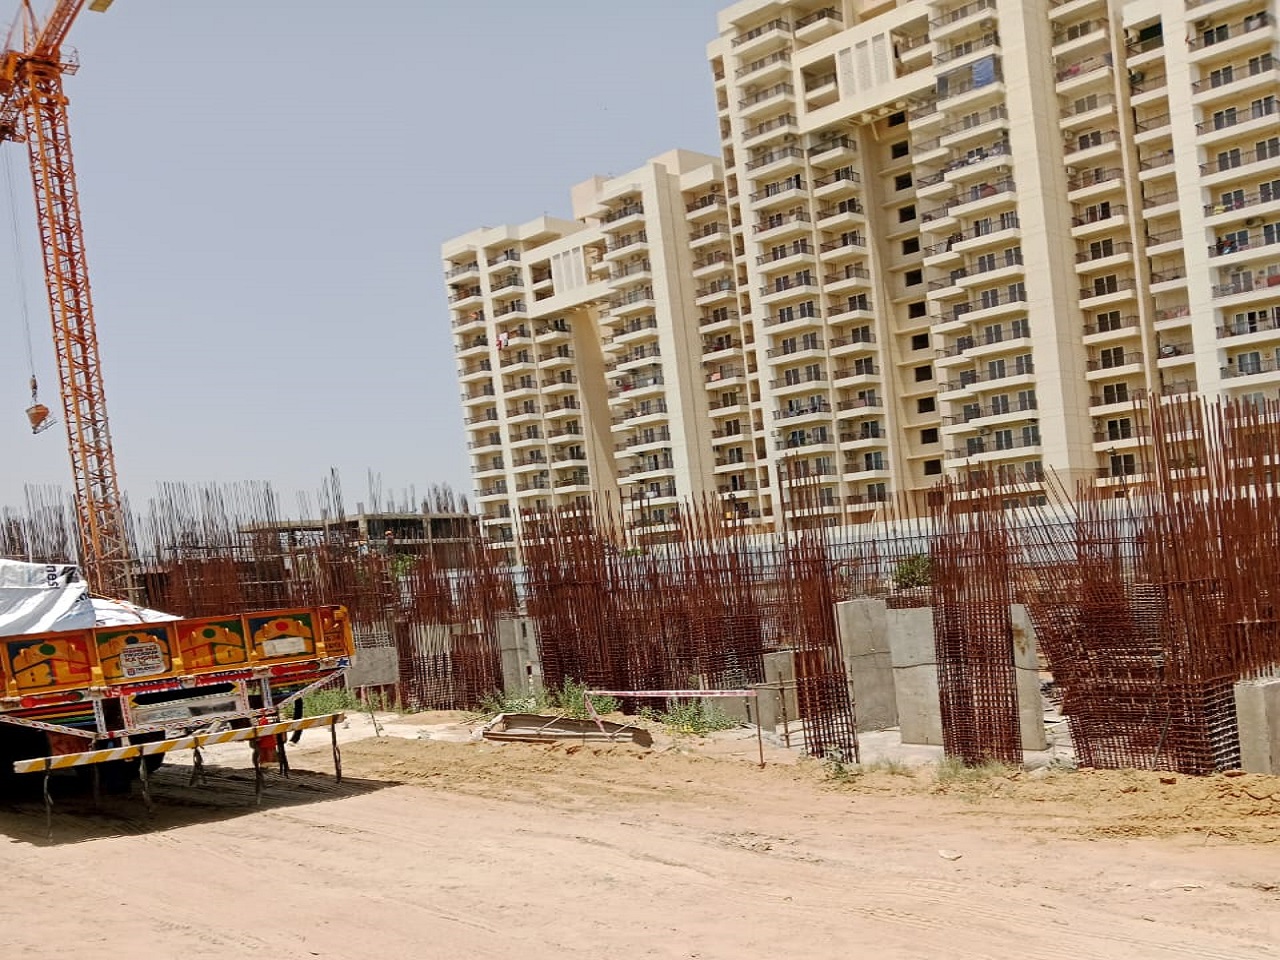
33	108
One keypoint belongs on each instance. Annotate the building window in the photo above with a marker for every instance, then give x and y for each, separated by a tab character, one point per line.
907	214
932	468
917	309
897	119
926	405
929	435
911	245
902	181
899	150
913	278
924	373
920	341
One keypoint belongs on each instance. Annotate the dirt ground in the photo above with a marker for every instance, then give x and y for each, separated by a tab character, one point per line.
437	846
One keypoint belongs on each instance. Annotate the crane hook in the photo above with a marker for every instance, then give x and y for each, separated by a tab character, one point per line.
38	413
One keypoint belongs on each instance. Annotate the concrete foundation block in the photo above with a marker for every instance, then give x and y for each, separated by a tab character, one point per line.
862	627
518	647
915	674
1258	716
373	667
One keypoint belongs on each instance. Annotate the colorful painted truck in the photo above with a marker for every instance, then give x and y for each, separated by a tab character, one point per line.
126	694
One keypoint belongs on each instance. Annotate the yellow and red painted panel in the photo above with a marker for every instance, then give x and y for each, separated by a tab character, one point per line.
213	644
283	636
144	651
48	662
36	664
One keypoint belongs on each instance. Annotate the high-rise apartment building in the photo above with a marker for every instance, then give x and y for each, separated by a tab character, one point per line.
974	231
953	235
580	349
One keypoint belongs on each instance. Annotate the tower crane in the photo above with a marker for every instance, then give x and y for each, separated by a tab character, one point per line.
33	109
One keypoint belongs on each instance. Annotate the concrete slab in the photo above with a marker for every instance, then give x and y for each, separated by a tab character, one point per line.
915	674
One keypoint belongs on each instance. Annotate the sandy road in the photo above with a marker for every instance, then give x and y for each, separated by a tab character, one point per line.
462	850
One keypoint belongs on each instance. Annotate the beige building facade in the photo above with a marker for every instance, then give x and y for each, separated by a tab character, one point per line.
957	236
973	232
580	347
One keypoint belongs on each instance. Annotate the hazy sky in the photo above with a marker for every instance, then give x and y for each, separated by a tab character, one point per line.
265	187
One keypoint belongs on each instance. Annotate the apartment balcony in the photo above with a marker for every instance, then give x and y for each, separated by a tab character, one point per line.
508	256
1156	164
732	463
800	253
643	441
792	319
864	439
632	243
1147	86
1106	293
472	347
957	20
981	161
727	375
847	213
763	101
721	348
1221	213
1008	376
718	291
1223	42
780	226
492	492
558	331
719	320
530	464
855	344
1168	278
559	408
844	245
735	403
799	381
771	67
1081	38
867	473
852	310
465	299
631	389
832	152
511	310
652	411
968	95
1103	255
762	39
1091	183
1098	146
842	183
631	303
961	316
815	348
983	197
857	374
635	358
618	219
788	191
1248	287
984	414
472	372
818	25
1253	364
1114	363
818	410
706	206
914	49
574	483
558	358
974	126
1075	76
1242	122
717	262
776	161
848	278
1149	129
1238	81
969	48
1232	164
708	234
773	127
1119	328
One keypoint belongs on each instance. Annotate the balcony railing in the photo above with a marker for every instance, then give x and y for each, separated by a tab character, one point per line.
1209	38
1111	361
1246	283
1091	178
757	65
1230	160
765	159
826	13
778	25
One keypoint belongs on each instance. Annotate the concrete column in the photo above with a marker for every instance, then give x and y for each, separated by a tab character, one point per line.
1258	714
915	674
521	668
1026	661
863	630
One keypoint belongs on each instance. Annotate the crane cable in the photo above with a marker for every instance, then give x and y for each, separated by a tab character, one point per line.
19	272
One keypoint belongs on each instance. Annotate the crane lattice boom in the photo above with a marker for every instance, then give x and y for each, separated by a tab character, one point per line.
33	108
